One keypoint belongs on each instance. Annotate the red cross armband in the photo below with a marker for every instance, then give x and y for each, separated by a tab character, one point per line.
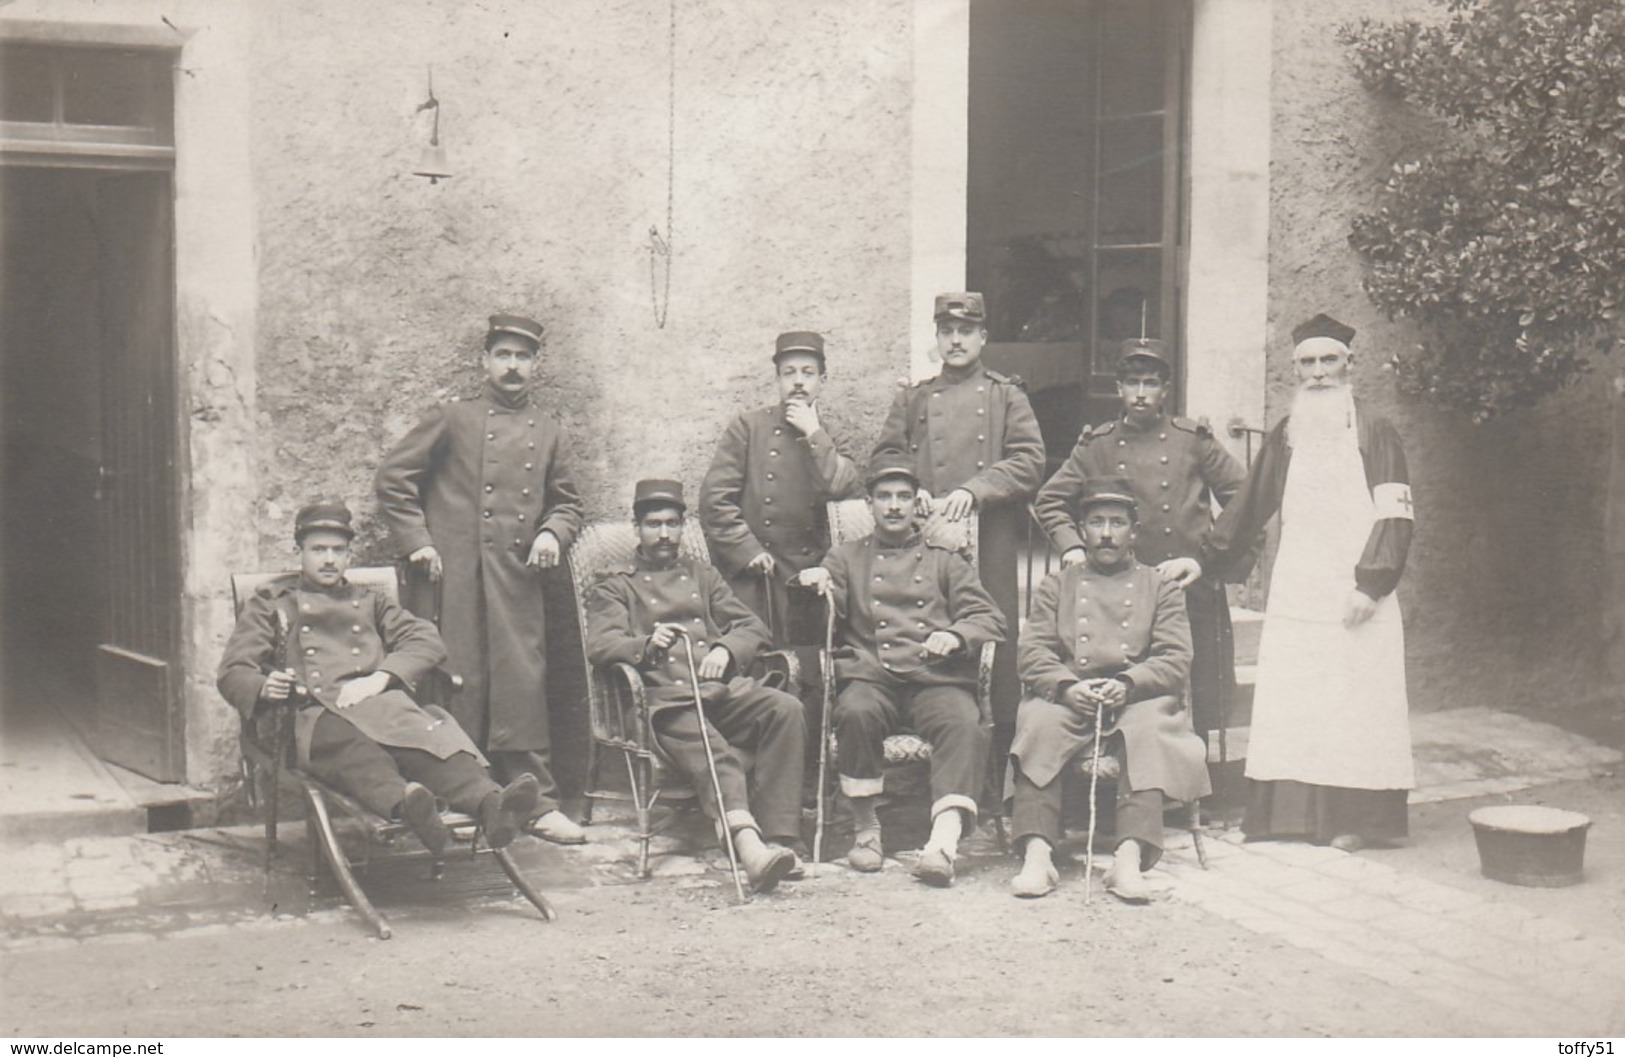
1392	500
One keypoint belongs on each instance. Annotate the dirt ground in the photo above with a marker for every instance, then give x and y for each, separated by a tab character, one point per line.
838	954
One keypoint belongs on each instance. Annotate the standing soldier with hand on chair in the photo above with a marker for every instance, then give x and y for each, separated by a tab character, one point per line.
977	452
762	501
1176	469
477	496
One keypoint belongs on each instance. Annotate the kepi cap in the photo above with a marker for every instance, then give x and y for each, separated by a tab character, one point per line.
964	306
1323	326
656	491
1097	490
891	464
523	326
323	517
806	341
1146	349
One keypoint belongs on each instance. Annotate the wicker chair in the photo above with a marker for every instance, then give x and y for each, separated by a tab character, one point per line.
615	698
264	740
853	519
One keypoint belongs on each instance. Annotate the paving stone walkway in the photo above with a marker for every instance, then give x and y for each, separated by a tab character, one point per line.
1522	973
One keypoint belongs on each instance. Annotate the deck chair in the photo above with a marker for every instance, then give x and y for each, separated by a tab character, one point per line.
619	712
264	741
853	519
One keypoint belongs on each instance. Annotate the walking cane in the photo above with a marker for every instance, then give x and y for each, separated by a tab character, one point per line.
1094	782
711	764
772	609
828	663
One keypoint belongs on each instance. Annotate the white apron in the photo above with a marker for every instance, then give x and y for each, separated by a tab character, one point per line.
1330	705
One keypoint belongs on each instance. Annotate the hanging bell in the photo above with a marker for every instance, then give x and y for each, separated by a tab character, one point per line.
432	163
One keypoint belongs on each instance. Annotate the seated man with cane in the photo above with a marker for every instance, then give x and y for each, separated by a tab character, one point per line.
915	617
676	621
1105	653
347	658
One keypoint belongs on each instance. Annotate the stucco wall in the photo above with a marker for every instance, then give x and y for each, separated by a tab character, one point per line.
1502	596
791	211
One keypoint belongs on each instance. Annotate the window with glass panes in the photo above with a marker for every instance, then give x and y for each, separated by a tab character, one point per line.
94	106
1076	187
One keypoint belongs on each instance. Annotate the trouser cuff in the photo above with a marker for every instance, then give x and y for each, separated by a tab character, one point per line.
738	820
952	801
862	786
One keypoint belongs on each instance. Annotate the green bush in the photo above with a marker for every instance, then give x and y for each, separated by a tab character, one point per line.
1504	241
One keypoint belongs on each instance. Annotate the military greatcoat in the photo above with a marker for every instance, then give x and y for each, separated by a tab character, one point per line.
891	597
765	493
1130	624
480	479
336	635
626	602
976	430
1177	468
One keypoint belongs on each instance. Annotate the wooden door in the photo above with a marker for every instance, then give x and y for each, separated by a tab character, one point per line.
139	719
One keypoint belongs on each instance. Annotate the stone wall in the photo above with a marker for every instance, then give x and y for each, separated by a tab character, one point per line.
1502	596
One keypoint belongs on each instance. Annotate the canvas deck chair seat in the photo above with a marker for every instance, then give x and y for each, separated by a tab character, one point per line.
267	748
853	519
621	722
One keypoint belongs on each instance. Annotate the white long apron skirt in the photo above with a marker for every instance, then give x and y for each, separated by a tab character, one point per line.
1330	705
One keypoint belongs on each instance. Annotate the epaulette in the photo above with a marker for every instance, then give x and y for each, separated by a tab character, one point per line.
1100	430
1007	379
278	587
961	549
617	569
1200	428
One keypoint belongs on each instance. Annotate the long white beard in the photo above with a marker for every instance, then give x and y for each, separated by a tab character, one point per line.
1322	418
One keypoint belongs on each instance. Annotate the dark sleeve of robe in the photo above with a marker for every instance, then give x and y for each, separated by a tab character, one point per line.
1232	542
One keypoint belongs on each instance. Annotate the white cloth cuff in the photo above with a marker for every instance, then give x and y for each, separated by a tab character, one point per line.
862	786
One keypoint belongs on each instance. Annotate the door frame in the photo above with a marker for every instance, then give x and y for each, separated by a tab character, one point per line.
19	151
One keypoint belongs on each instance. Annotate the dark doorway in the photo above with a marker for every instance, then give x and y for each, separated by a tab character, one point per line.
89	557
1075	225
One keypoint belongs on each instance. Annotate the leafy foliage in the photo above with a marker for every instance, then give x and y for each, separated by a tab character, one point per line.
1505	239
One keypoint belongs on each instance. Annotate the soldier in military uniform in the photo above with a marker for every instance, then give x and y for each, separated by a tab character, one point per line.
977	450
1177	468
762	501
353	657
1108	641
479	498
636	615
914	617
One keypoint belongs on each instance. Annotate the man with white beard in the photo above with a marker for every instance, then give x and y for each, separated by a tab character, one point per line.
1330	750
